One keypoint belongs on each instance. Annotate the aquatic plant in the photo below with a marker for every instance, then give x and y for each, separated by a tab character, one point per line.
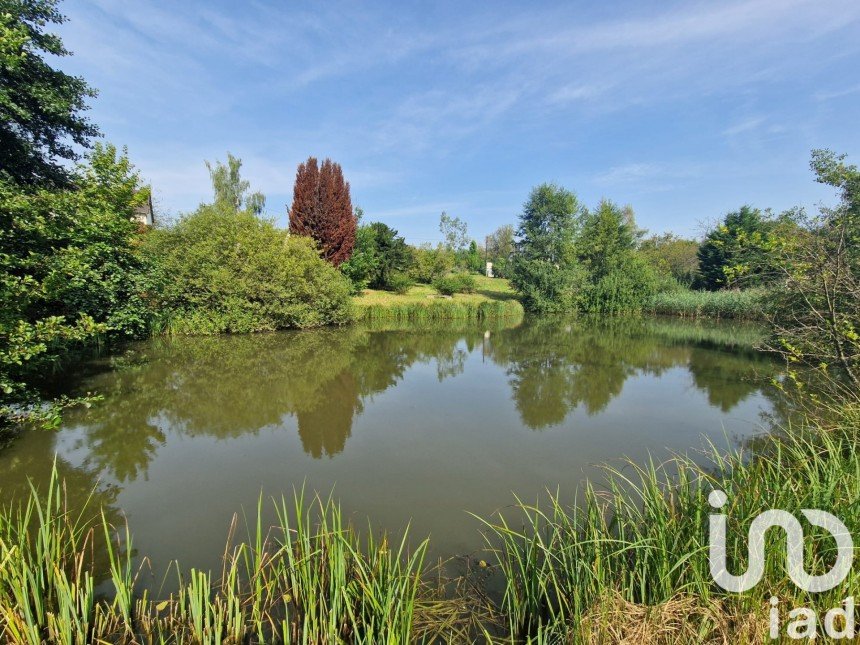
748	304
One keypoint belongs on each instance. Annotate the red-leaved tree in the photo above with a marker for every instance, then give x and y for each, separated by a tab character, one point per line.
322	209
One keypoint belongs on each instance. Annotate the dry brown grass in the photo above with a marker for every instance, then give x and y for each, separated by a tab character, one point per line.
682	619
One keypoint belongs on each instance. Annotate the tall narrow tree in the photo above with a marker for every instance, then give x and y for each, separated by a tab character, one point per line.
322	209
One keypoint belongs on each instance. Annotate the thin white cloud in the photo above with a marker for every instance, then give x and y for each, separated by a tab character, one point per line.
645	176
577	92
836	94
745	126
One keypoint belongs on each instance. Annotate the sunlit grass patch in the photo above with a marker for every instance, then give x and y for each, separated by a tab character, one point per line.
493	298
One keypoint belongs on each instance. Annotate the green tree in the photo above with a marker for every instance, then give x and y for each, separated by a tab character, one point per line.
735	248
608	234
41	107
474	259
69	273
545	269
618	279
673	256
500	248
455	232
817	309
430	263
391	253
362	264
231	191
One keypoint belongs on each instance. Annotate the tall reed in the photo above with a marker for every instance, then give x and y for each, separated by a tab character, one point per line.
748	304
308	579
642	539
441	309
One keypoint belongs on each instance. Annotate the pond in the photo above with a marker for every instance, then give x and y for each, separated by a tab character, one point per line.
411	424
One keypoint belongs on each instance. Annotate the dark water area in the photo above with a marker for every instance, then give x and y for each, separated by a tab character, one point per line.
417	425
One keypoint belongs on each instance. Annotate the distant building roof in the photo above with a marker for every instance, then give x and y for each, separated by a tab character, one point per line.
144	213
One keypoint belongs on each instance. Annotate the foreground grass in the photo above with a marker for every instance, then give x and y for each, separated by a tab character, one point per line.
749	304
309	579
626	563
493	299
629	562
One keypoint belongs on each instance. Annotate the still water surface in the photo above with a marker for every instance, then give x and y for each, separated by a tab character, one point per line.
414	424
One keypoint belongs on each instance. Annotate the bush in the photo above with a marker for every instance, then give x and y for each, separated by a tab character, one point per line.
627	287
429	264
456	283
399	283
546	288
226	271
70	274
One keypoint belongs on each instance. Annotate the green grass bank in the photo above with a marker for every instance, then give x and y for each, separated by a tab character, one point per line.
493	299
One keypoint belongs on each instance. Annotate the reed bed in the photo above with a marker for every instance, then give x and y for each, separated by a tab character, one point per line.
748	304
441	309
308	579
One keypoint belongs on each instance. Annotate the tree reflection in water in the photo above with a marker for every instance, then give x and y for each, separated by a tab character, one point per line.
229	386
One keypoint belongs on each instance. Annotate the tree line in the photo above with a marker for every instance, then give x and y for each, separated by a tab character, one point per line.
76	267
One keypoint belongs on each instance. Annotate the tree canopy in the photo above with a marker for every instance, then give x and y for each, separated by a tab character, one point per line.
736	241
322	209
41	108
545	269
231	190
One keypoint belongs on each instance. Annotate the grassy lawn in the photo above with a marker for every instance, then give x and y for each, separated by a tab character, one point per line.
493	297
489	289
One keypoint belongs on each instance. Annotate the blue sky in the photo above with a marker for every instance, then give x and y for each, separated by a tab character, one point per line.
683	110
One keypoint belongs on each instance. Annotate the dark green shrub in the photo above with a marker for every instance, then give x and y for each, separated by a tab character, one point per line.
364	263
446	285
466	283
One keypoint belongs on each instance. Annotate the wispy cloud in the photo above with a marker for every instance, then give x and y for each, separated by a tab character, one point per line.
643	176
423	106
744	126
837	94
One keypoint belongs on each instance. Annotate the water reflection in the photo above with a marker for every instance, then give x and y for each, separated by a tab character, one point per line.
226	387
408	424
231	386
556	368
